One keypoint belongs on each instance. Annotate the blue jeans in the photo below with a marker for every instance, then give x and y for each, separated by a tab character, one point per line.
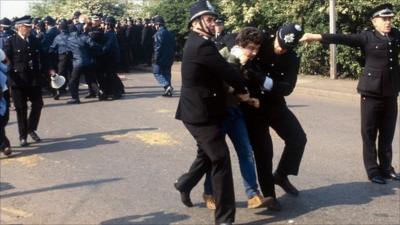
235	127
162	74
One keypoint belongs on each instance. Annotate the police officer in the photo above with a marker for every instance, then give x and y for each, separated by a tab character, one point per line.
111	85
48	59
378	86
5	31
61	49
280	66
201	108
219	34
23	49
147	41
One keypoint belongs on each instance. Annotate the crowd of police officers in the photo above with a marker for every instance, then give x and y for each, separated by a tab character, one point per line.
97	47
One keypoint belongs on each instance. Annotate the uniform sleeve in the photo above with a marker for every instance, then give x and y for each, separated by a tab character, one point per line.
352	40
285	82
54	45
209	56
157	46
8	49
109	45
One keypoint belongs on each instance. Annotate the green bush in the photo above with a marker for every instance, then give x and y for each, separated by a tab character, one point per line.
352	17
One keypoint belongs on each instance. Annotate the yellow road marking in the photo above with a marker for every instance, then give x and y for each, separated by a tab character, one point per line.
15	212
151	138
156	138
163	111
28	161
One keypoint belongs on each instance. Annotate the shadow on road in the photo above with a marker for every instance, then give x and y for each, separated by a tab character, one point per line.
148	219
60	187
4	186
83	141
355	193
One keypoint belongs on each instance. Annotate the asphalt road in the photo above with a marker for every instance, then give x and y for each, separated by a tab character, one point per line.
115	162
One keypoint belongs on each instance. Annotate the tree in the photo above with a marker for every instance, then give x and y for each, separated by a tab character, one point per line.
66	8
353	16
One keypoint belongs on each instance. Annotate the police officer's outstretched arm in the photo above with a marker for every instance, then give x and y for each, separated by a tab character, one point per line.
352	40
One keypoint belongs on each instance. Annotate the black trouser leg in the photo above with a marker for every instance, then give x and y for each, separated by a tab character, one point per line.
19	96
91	80
74	82
213	148
64	62
287	126
199	167
371	112
387	127
261	142
35	97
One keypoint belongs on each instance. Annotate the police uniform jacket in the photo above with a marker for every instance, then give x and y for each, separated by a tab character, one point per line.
4	36
204	71
282	69
24	57
164	47
111	48
60	44
48	39
381	75
80	44
147	36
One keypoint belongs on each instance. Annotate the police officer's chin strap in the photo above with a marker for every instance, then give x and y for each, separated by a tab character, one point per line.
204	28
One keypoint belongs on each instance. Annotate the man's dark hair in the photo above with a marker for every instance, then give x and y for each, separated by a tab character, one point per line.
249	35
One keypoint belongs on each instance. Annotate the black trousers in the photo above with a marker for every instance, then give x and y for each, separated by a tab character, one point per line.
378	119
65	67
111	84
21	95
212	154
286	125
90	78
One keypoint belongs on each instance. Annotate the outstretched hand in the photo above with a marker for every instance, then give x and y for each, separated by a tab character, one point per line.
309	37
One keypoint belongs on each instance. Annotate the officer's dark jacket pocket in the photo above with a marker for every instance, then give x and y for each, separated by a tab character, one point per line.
200	105
370	82
214	105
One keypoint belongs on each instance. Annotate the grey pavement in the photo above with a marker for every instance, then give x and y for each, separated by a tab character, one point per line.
114	162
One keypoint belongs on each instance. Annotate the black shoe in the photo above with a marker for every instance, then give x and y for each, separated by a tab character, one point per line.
34	136
91	95
391	175
7	151
74	101
57	96
116	97
185	197
285	184
102	97
378	179
168	91
23	142
274	205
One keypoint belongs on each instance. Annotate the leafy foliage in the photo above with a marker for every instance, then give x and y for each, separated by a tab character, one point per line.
352	16
66	8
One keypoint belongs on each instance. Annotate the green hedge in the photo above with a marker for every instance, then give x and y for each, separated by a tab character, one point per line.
353	16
